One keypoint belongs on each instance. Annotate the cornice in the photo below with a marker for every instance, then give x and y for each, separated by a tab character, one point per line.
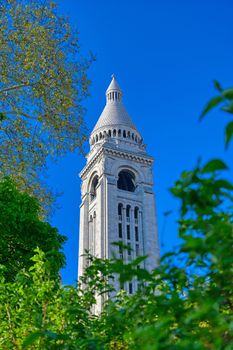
142	159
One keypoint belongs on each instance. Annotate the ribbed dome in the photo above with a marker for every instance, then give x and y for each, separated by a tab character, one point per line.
114	113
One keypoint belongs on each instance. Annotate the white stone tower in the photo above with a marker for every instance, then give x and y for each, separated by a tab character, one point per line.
117	190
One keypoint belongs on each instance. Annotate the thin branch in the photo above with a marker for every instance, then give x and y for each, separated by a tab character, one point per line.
21	113
14	87
10	325
9	137
34	136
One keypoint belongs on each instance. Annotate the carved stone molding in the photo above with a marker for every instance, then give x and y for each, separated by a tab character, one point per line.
146	160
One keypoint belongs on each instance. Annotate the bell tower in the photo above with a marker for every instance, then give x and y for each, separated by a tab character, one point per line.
117	190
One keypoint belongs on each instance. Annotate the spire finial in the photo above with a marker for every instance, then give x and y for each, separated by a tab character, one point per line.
113	93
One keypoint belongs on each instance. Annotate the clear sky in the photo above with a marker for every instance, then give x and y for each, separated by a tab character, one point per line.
165	55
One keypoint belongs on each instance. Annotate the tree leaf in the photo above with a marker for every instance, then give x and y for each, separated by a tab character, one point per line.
214	165
221	183
228	108
217	86
139	259
211	104
228	94
29	340
167	255
228	133
2	117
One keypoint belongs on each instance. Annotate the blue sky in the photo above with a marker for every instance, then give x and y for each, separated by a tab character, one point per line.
165	55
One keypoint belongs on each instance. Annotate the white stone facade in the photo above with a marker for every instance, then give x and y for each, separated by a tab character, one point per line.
117	190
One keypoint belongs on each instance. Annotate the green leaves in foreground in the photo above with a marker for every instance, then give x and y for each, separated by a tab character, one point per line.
225	99
228	133
215	101
189	293
185	303
214	165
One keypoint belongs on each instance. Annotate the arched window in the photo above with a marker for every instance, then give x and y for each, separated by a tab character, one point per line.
136	234
128	211
133	136
114	133
120	207
96	138
124	133
101	136
136	214
128	232
120	231
126	181
128	135
128	219
119	133
137	250
109	133
93	187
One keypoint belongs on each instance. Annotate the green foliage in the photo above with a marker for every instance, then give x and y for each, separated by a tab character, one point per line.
21	231
225	98
229	133
185	303
43	80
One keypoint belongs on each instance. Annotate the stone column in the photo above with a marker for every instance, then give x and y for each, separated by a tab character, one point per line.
83	234
150	233
132	232
124	232
140	233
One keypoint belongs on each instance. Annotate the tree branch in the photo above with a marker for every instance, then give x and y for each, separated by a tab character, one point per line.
21	113
14	87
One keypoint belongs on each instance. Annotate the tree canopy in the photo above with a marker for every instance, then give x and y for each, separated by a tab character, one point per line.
22	231
43	80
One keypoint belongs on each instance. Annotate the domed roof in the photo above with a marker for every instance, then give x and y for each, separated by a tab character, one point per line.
114	113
